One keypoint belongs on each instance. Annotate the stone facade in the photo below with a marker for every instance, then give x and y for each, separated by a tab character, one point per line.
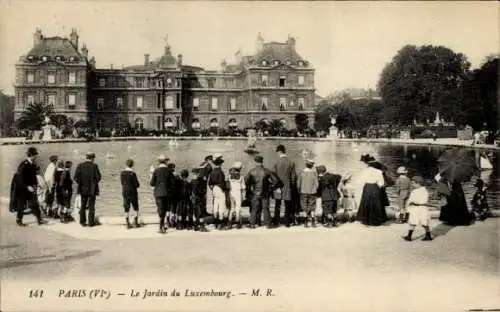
274	83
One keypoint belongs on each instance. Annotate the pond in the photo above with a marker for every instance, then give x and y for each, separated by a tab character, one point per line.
339	157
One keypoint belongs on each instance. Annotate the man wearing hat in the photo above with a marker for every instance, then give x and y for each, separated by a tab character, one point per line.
285	170
162	180
417	207
87	177
307	185
26	185
402	187
259	188
217	183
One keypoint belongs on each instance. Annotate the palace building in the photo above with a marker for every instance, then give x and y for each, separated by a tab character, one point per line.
273	83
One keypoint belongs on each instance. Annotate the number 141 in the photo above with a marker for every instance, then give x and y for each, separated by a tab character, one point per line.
36	293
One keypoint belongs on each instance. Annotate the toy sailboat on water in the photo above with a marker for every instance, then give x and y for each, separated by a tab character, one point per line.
485	163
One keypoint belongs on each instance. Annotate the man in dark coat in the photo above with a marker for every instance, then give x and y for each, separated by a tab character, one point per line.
24	190
163	181
87	177
259	183
285	170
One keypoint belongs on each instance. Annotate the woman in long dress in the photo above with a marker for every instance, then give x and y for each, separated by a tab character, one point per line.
371	211
455	212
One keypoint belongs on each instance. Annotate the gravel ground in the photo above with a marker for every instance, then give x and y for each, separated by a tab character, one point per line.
350	268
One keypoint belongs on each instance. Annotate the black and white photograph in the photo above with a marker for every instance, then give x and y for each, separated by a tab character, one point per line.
249	156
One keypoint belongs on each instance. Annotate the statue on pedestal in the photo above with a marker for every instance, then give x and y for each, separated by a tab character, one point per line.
47	129
333	129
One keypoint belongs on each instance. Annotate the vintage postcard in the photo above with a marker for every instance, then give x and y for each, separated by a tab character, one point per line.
249	156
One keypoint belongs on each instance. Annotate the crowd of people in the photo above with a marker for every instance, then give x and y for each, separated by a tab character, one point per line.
185	199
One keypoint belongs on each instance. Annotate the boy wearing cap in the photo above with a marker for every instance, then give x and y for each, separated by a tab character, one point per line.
402	187
307	185
417	207
199	191
130	184
217	183
49	179
328	184
236	192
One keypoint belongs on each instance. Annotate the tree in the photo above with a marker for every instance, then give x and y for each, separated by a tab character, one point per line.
6	113
486	79
301	121
420	81
34	116
322	115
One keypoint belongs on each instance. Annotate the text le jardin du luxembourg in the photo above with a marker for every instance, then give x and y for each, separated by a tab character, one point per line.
106	294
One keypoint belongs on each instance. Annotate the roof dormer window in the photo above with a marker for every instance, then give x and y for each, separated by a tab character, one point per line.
31	58
58	58
288	63
44	58
264	63
301	63
276	62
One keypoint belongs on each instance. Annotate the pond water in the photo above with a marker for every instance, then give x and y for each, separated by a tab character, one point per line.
339	157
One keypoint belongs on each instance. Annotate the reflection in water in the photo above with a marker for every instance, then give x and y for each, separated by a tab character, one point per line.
337	156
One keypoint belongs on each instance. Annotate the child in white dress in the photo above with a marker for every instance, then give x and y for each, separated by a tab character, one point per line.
417	207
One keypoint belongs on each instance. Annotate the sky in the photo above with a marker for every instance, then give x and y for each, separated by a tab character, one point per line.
348	43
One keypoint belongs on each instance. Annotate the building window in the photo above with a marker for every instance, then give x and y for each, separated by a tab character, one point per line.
211	83
301	80
119	123
232	104
169	82
233	123
196	124
159	122
214	103
51	99
178	101
102	82
138	102
72	100
119	102
282	103
263	80
72	78
169	102
301	102
230	83
139	123
30	99
282	81
30	77
51	77
100	103
139	82
263	103
99	123
196	104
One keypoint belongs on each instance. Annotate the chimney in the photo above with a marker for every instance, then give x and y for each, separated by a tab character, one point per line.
260	42
73	37
85	51
110	66
146	59
223	65
37	37
291	42
179	60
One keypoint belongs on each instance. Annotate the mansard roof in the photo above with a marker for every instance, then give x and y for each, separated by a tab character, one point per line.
277	51
52	47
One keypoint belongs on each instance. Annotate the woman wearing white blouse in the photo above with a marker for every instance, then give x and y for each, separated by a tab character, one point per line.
371	211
